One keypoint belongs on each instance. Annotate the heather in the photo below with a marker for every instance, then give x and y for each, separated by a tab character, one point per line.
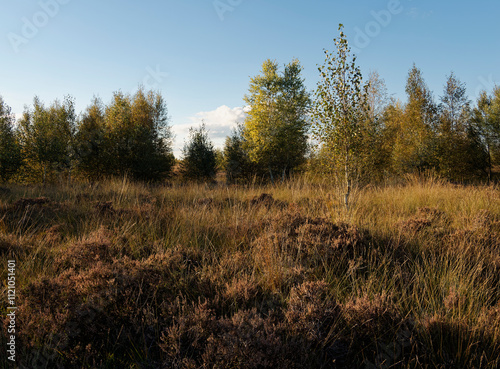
120	274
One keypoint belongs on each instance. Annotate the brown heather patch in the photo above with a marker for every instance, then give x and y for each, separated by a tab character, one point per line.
480	235
309	312
481	229
23	203
483	221
111	301
33	215
83	197
204	202
432	214
232	264
84	254
267	201
146	199
371	317
310	240
200	339
490	320
414	225
241	290
424	218
291	246
214	203
104	208
247	340
54	234
9	245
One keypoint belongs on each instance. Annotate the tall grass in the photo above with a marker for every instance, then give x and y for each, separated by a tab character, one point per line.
126	275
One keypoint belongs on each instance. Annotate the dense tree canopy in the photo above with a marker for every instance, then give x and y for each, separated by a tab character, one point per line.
10	150
47	134
276	127
360	134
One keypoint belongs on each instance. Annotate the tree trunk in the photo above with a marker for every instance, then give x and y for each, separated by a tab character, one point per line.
348	193
489	165
44	177
271	174
348	182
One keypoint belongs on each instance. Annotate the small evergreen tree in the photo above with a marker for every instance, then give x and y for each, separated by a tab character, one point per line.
237	163
199	162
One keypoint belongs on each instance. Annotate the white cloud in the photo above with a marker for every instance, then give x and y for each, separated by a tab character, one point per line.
219	123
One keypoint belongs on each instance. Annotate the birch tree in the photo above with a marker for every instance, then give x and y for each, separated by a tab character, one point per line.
339	110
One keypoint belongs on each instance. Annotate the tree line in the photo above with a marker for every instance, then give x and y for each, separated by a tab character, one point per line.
356	132
347	127
129	136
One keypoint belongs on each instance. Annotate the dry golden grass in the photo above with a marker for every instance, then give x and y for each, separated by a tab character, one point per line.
124	275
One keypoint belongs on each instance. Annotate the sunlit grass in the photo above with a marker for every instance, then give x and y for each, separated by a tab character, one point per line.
408	276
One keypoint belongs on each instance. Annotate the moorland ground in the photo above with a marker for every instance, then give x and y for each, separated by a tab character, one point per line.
125	275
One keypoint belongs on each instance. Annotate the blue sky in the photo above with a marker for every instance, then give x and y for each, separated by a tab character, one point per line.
201	53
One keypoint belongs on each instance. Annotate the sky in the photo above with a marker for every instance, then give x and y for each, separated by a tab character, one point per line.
201	54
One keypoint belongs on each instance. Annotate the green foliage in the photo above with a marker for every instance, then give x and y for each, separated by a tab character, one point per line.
413	126
275	133
10	150
152	139
486	122
137	136
237	164
90	142
130	136
47	136
219	159
460	154
199	162
339	111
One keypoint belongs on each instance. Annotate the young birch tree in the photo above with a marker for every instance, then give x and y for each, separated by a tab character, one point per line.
339	110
